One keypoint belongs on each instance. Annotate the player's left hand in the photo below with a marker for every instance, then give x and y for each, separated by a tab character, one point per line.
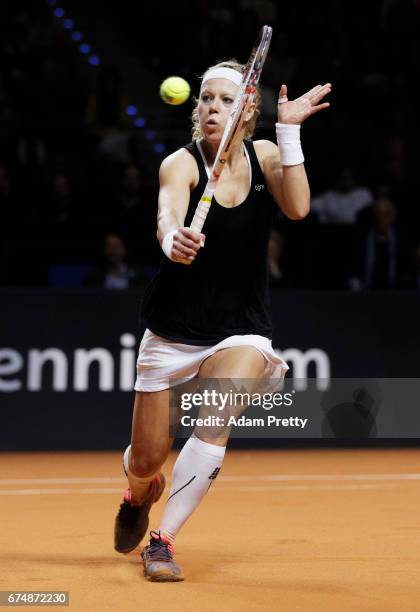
296	111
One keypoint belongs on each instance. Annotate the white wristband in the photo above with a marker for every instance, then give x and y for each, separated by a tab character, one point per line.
167	243
288	140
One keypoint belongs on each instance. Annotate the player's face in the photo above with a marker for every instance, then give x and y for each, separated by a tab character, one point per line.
214	107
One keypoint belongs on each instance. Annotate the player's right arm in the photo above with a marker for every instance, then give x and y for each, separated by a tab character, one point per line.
178	175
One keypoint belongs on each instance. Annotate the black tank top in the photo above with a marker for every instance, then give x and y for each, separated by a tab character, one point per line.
225	290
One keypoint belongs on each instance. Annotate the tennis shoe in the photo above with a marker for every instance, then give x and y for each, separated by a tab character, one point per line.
132	519
158	560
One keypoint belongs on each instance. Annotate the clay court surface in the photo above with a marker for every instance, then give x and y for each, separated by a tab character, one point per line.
287	530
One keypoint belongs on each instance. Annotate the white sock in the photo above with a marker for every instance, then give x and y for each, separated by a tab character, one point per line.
196	467
139	487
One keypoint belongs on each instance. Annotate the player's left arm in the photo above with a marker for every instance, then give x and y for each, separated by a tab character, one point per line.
283	166
287	184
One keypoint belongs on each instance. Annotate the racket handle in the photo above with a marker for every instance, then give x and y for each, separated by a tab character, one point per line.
201	211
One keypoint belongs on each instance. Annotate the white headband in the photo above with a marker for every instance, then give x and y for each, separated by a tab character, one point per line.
223	73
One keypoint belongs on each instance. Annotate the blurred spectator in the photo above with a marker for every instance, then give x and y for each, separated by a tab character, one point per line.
62	217
107	118
61	204
31	150
382	253
124	202
106	106
275	252
342	204
114	272
129	196
132	210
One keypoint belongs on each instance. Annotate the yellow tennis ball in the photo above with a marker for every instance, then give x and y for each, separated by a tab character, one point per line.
175	90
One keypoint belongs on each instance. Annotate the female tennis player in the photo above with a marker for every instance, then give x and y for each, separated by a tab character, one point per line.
207	312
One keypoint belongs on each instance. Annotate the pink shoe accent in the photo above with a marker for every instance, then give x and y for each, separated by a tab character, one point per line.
152	495
128	498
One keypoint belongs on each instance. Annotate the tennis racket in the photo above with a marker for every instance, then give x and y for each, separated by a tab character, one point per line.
242	103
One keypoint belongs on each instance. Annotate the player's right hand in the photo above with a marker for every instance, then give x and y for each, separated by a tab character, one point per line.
186	244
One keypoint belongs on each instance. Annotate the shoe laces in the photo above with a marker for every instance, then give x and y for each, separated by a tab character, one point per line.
160	548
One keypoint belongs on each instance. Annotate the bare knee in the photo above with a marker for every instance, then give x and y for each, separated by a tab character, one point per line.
146	463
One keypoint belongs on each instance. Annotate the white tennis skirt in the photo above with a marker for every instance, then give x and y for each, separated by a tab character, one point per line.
162	363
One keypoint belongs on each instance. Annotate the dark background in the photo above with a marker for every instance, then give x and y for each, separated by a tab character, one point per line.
83	132
74	166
